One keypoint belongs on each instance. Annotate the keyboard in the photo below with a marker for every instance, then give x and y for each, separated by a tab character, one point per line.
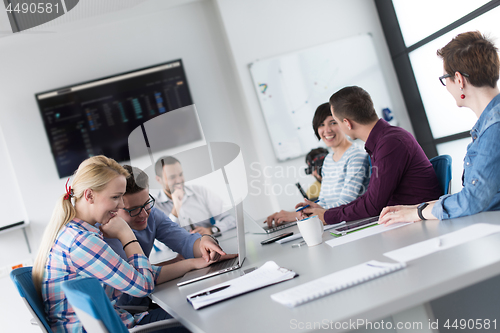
218	266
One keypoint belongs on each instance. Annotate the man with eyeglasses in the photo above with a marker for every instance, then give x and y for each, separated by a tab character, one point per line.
149	223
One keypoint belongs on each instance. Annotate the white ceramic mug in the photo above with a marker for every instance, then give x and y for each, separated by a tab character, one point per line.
311	230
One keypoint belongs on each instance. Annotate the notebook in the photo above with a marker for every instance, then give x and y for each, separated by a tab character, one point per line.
335	282
266	275
261	228
222	266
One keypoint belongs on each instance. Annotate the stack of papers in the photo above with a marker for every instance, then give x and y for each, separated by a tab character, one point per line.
268	274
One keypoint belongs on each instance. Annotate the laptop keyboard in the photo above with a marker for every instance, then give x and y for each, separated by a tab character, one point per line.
282	226
222	265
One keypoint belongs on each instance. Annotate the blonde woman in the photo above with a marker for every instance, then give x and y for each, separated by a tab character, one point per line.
72	247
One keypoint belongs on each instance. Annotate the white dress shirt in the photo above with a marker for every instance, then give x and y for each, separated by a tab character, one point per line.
198	206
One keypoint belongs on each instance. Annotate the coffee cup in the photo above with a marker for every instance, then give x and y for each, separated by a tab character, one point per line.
311	229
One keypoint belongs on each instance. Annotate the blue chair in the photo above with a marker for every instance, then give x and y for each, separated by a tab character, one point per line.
442	167
24	283
93	308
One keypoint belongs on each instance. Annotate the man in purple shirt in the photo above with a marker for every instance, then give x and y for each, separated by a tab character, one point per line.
401	173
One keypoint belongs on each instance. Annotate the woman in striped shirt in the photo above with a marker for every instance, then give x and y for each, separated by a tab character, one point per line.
345	172
73	247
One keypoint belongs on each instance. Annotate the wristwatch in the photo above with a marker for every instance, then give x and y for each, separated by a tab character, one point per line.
215	230
420	208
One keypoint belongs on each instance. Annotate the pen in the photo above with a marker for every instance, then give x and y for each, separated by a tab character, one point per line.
208	292
304	207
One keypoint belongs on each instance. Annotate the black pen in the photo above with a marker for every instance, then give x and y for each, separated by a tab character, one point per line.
208	292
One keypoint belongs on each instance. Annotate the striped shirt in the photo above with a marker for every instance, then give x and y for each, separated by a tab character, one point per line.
80	251
345	180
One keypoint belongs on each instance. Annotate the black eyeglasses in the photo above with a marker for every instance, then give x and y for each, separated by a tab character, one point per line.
443	78
147	207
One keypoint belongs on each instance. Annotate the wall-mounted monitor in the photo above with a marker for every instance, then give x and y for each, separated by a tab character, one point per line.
96	117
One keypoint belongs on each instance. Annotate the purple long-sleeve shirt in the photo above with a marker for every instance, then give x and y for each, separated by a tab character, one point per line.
401	175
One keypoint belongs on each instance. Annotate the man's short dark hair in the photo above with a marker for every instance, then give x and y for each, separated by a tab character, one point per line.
162	161
137	181
353	103
322	112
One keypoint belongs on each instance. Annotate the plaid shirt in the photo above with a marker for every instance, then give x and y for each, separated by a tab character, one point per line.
80	251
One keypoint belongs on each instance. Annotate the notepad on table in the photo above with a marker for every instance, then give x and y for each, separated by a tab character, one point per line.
335	282
266	275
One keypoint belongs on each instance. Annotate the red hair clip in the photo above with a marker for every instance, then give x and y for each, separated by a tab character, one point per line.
69	192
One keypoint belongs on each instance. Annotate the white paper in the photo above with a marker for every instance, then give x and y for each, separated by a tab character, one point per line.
335	282
452	239
364	233
267	274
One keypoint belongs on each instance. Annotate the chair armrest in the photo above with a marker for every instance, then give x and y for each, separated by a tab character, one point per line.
133	309
152	327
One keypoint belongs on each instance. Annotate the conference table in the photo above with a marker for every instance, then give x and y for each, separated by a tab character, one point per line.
401	297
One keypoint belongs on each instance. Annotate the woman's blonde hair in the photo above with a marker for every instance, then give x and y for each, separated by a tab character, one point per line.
94	173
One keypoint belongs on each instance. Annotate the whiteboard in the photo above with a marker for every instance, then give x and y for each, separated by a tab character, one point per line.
11	204
290	87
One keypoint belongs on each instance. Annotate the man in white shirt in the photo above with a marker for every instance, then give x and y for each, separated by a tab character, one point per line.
193	207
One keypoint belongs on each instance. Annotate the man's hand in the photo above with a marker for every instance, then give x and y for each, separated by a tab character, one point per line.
202	231
281	217
210	250
306	202
310	211
316	175
177	196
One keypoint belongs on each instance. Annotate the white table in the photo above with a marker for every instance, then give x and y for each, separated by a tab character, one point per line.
400	295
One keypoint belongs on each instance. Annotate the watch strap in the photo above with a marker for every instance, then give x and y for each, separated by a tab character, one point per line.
420	208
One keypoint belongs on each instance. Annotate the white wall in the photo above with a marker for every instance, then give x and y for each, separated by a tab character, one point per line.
216	39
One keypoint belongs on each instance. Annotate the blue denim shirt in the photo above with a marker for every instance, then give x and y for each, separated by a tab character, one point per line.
481	178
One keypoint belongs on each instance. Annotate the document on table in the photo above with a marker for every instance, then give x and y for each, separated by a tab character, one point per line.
452	239
364	233
266	275
335	282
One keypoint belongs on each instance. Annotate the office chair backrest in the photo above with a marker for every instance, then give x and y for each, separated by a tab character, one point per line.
92	306
442	167
24	283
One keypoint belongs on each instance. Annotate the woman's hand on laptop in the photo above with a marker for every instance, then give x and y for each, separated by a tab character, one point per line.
281	217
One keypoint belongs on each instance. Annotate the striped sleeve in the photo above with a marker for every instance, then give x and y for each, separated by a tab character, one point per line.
93	257
355	181
345	181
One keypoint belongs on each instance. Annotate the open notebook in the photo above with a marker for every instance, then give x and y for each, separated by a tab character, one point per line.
266	275
335	282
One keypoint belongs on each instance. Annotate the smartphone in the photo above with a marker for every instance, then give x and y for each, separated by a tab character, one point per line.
302	191
355	225
275	238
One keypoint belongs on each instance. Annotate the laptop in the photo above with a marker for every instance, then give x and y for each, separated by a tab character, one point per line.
255	227
221	267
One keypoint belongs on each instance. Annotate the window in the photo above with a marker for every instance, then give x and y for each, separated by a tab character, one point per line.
414	31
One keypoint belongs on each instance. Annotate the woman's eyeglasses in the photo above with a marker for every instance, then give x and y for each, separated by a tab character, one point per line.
147	207
443	78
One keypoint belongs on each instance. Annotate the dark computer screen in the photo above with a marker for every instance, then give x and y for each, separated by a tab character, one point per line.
96	117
